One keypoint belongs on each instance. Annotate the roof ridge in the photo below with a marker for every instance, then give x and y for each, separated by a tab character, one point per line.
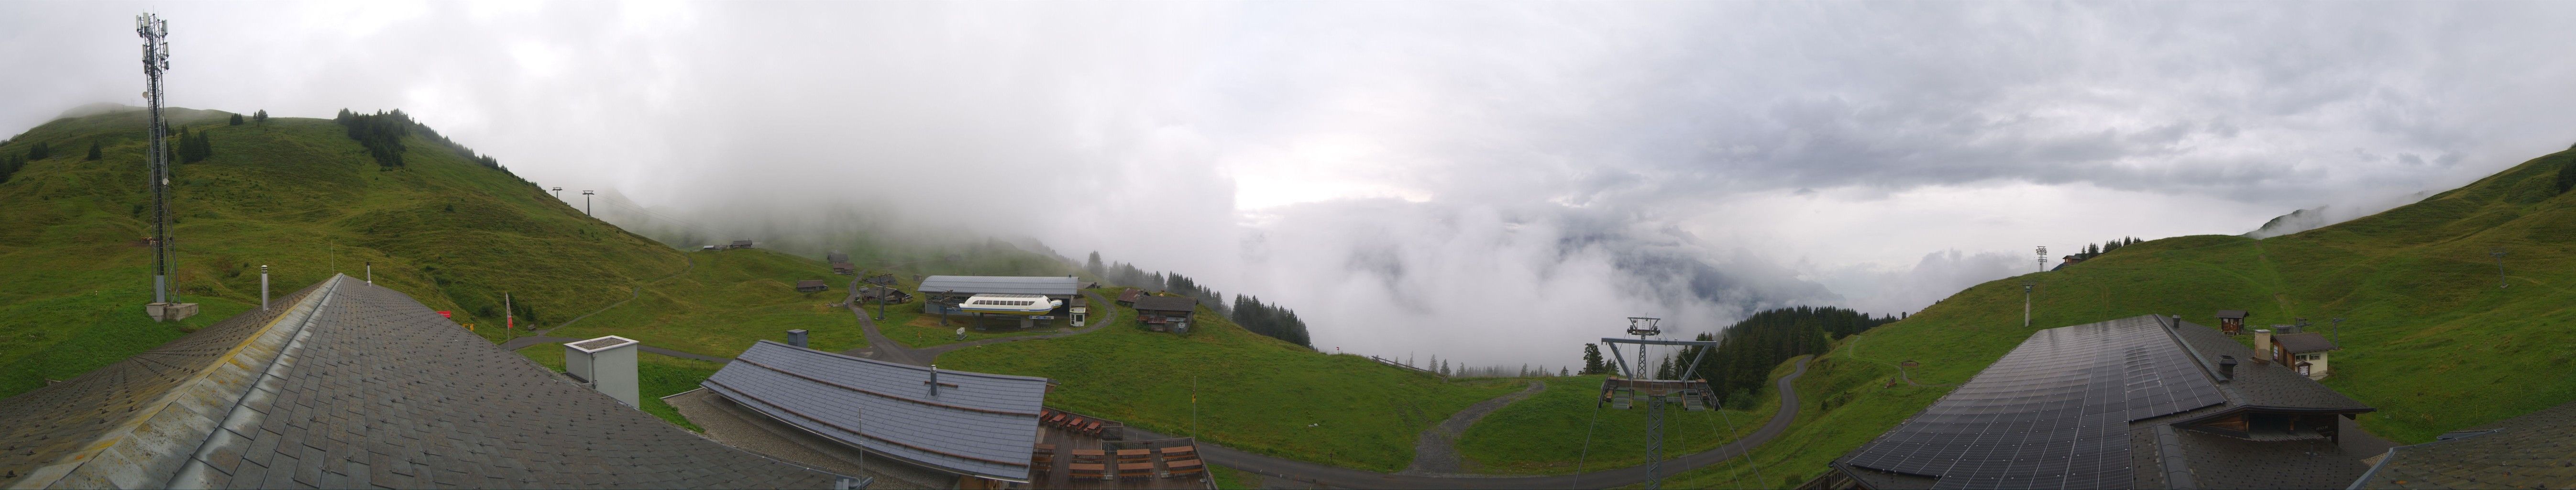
137	461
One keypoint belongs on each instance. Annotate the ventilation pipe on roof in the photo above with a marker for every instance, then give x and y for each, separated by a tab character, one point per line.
934	380
2226	368
606	364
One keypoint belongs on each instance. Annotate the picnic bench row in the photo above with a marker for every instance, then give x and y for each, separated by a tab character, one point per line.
1070	422
1124	464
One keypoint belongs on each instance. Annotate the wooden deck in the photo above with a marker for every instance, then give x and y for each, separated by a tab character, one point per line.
1059	472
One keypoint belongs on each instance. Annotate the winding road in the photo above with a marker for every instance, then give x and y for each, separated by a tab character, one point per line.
1335	476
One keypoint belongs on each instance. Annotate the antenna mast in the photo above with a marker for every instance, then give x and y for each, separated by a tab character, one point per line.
156	59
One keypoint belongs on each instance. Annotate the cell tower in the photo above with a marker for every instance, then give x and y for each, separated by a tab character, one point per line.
2043	258
156	59
1625	392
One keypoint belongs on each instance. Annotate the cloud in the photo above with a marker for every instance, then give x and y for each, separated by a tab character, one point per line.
1443	171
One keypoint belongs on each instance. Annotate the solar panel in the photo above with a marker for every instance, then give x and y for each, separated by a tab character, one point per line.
2053	413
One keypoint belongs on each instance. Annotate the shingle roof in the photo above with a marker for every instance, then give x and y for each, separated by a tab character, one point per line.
1166	303
366	387
1131	294
966	285
2301	343
2231	313
2534	450
970	423
2264	385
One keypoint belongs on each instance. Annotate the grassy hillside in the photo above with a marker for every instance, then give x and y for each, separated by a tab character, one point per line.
1547	433
728	300
2429	337
295	194
1253	393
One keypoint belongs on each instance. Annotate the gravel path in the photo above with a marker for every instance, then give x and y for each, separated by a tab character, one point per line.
1436	452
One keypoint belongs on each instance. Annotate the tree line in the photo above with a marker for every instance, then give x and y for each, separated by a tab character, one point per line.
2092	250
1740	366
382	134
1268	319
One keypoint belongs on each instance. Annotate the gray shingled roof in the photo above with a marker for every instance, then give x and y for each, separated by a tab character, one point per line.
359	386
2263	385
1166	303
2302	343
1055	286
974	424
2231	313
2535	450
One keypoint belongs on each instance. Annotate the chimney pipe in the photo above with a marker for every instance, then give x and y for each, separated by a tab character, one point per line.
934	380
2226	368
796	337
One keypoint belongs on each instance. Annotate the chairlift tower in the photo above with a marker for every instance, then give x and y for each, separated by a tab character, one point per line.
1625	392
156	59
585	203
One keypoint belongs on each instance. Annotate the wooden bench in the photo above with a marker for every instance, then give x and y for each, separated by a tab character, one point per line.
1135	470
1135	456
1181	467
1092	428
1181	451
1089	470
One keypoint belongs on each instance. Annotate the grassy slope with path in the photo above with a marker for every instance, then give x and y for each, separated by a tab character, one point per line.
2429	337
729	300
1254	393
293	193
1545	434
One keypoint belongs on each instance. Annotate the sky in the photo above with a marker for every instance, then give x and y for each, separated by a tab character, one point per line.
1488	182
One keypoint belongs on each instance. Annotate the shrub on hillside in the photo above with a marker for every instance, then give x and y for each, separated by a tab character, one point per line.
9	165
261	116
94	153
236	120
39	151
2567	175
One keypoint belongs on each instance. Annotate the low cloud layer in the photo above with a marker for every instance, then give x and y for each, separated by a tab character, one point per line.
1491	182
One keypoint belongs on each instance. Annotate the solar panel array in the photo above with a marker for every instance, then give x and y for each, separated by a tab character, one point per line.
2053	413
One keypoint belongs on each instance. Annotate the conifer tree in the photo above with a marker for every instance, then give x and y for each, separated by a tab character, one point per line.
261	116
236	120
1592	359
94	153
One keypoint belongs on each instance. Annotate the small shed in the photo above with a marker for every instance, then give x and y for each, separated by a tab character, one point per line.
1080	309
2305	352
2231	321
845	268
740	244
1128	297
887	294
812	286
1159	312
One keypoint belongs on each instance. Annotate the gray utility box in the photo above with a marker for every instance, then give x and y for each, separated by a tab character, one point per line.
164	312
607	364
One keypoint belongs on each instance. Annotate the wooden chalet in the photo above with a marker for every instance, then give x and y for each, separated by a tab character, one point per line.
812	286
1166	312
2231	322
845	268
1128	298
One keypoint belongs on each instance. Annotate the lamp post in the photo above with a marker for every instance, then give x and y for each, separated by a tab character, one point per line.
2025	302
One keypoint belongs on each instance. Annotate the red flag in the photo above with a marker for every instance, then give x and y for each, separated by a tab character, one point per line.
445	314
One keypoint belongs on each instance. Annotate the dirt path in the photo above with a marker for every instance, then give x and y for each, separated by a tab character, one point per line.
1334	476
1436	452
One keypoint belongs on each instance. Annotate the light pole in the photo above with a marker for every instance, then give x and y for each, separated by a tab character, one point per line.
585	203
263	287
2025	302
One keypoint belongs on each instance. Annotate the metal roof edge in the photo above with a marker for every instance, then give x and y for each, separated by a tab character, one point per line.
721	391
942	372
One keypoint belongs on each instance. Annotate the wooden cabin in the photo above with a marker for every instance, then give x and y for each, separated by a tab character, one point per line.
812	286
1166	312
1128	298
2231	322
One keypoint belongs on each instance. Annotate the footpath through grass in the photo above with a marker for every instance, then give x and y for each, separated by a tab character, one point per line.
729	300
1253	393
1546	434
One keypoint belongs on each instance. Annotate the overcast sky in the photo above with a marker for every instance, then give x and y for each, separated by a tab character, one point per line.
1488	181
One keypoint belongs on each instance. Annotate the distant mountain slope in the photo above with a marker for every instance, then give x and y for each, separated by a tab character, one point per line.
2430	338
298	195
